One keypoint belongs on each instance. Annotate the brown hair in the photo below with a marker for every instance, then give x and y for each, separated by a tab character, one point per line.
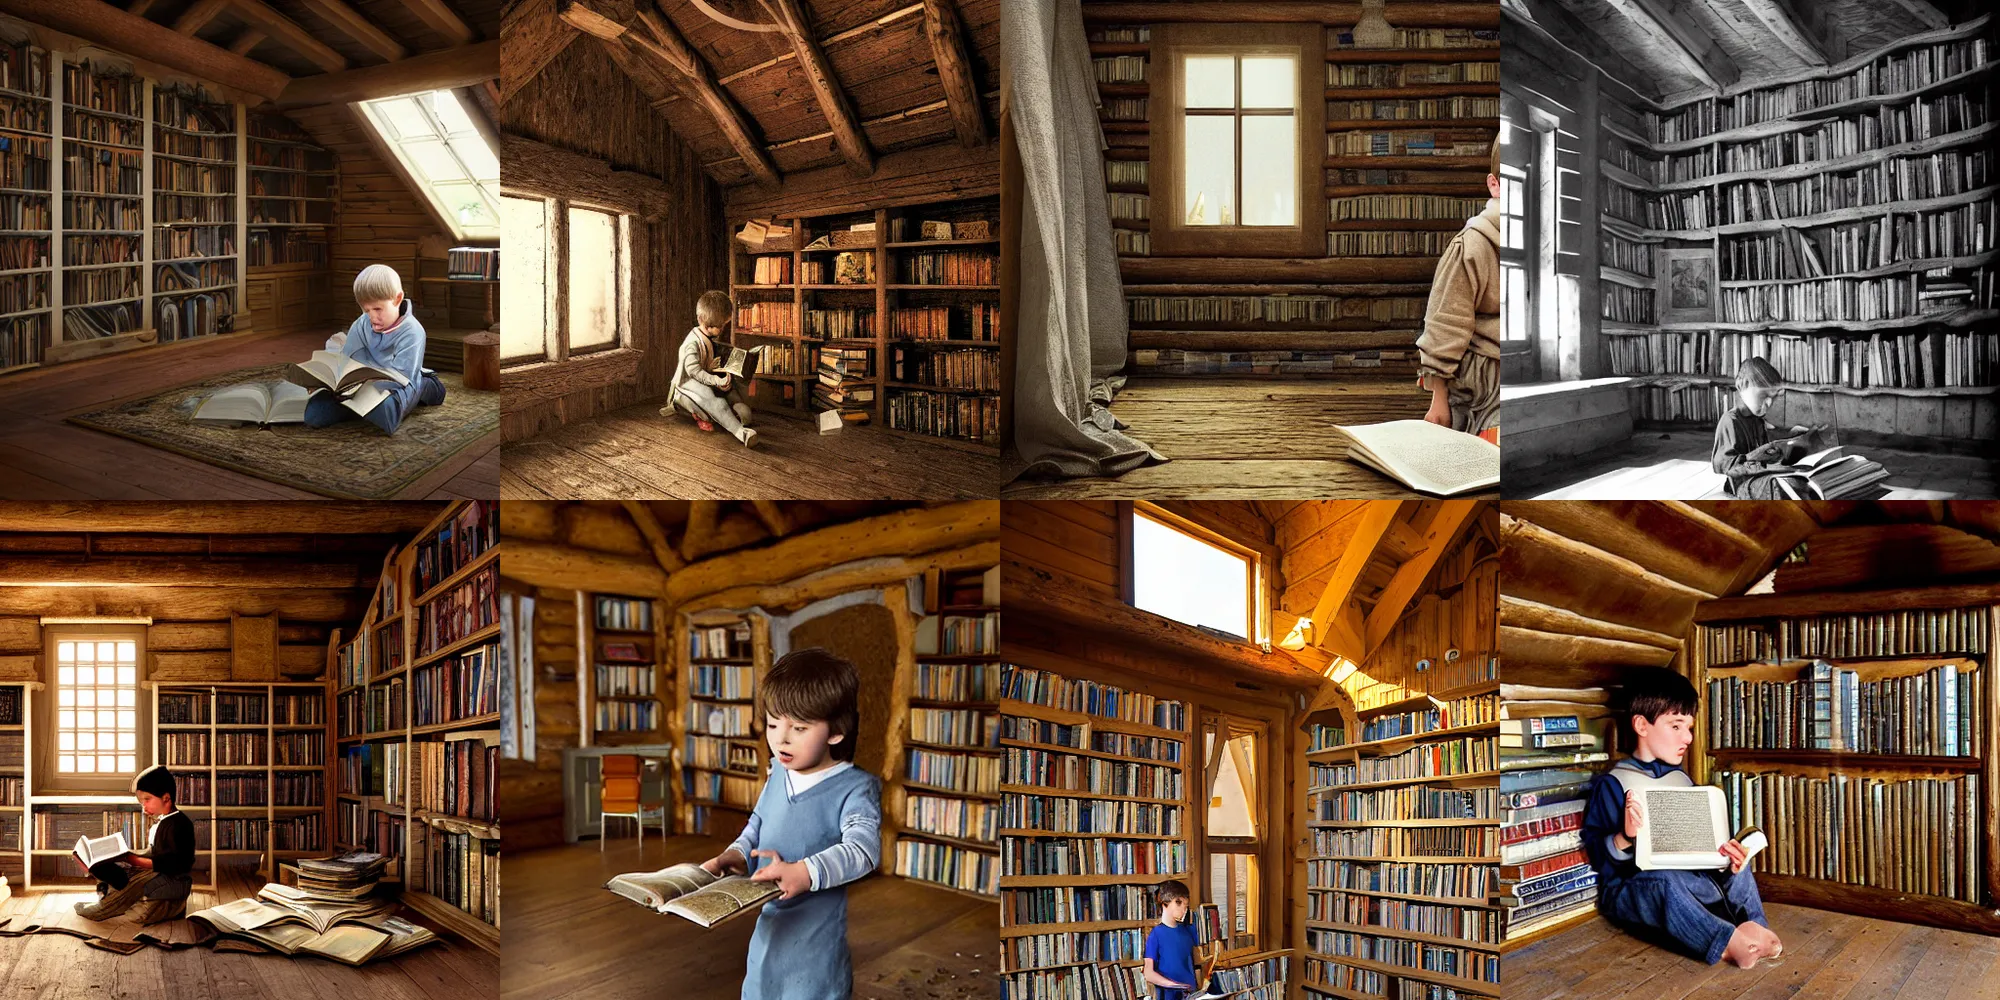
1170	890
713	308
1493	158
813	685
1760	373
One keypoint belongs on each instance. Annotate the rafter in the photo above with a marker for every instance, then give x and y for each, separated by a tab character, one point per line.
666	45
1334	628
463	66
249	39
833	102
1778	19
1925	11
1681	39
949	51
288	33
197	16
1445	526
355	25
703	516
655	533
442	19
774	517
139	7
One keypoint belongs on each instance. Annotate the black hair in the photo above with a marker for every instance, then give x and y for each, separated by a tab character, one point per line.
1169	891
1650	692
155	780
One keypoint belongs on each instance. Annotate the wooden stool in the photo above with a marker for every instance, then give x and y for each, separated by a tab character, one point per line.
482	360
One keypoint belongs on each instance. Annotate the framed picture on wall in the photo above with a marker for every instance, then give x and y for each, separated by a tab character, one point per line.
1687	286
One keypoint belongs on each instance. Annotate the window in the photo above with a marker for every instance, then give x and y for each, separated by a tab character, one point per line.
1517	270
1191	576
593	279
517	675
1235	113
523	284
446	156
97	712
1235	823
566	287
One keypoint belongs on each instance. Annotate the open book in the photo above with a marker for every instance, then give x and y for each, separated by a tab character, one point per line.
256	403
90	851
742	362
1425	456
1833	474
351	933
331	370
1686	828
688	890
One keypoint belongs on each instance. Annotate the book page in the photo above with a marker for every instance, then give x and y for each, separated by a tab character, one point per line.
91	851
246	403
656	889
724	899
1428	457
365	398
1681	821
348	943
287	403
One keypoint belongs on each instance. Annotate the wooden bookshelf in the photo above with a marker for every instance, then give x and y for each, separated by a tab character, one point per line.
28	311
292	194
749	646
18	765
1664	153
890	289
196	216
1175	813
1920	894
315	739
649	636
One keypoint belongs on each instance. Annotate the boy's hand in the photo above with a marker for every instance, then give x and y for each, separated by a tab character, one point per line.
1635	816
792	876
1738	857
724	387
729	862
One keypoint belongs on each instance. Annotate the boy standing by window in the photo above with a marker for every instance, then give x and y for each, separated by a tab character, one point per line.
1458	354
1170	944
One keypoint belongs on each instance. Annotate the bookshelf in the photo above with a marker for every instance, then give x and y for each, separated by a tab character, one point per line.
293	205
1054	927
946	831
196	221
725	656
1900	754
626	703
418	722
916	321
101	227
16	763
252	766
26	197
1865	274
1405	837
56	822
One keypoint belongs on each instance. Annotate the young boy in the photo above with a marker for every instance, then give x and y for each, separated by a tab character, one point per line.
386	337
1745	450
1459	351
696	387
1713	915
817	827
1170	944
160	878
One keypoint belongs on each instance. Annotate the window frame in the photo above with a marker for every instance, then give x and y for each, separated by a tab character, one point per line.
1166	108
1225	728
48	779
556	340
391	152
1256	589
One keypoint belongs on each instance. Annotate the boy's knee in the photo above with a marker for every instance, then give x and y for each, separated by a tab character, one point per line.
432	391
323	410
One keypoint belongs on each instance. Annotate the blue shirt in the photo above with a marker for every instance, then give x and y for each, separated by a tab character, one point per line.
1172	952
1603	818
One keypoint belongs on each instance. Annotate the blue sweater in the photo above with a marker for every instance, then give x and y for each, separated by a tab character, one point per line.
1603	818
399	349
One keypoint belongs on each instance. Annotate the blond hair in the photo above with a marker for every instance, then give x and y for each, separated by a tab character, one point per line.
713	308
377	283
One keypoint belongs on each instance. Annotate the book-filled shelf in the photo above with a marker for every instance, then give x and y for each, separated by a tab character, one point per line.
26	227
1553	742
724	655
418	722
293	196
1839	223
103	145
252	766
195	220
1405	826
1093	813
947	830
15	765
626	637
1854	729
889	316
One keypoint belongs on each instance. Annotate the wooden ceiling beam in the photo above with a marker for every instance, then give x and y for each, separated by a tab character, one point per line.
834	104
569	567
249	39
197	16
288	33
954	66
1333	628
1925	12
1523	645
139	7
668	47
1520	613
276	517
355	25
1682	39
776	521
122	31
1777	18
445	69
1411	15
909	532
174	571
187	603
532	35
442	19
703	516
1444	527
655	533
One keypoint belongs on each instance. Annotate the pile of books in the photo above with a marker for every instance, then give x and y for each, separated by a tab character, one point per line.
845	382
1552	743
765	234
330	913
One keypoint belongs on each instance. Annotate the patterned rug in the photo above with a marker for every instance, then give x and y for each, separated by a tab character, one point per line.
352	460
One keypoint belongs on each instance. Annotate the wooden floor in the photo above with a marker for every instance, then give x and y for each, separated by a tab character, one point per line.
1247	439
563	935
1674	465
1828	956
637	453
53	966
43	458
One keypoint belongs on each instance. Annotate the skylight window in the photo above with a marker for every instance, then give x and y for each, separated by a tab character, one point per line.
1190	579
446	156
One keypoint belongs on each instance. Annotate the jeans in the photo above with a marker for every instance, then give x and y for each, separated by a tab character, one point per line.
1692	912
324	409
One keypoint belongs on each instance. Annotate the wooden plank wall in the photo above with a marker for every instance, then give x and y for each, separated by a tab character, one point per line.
1310	535
581	102
180	650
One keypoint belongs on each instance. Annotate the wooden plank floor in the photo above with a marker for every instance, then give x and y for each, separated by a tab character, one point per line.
1247	439
563	935
1674	465
1828	956
43	458
52	966
637	453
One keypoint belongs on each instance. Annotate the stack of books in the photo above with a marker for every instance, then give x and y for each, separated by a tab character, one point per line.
1552	743
845	382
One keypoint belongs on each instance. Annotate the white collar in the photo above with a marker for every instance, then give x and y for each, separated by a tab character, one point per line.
798	783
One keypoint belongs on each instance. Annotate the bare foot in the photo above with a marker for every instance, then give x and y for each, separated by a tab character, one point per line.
1748	943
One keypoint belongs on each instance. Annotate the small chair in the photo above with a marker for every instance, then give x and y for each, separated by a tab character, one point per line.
621	793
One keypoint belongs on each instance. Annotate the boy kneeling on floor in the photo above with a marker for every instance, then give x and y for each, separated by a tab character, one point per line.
160	880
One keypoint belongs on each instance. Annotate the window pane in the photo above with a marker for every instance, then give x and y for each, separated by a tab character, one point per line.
127	652
66	651
467	204
86	741
86	698
66	763
433	161
128	720
523	296
86	675
65	741
107	762
85	763
405	119
127	762
449	111
65	675
107	652
1211	81
125	696
65	698
593	279
1270	170
1209	182
86	719
128	676
477	156
1188	579
1269	82
1229	805
128	741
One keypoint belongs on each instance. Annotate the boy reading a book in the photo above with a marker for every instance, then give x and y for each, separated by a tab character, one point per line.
1170	944
386	337
1712	914
696	388
1458	354
817	826
160	878
1748	451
